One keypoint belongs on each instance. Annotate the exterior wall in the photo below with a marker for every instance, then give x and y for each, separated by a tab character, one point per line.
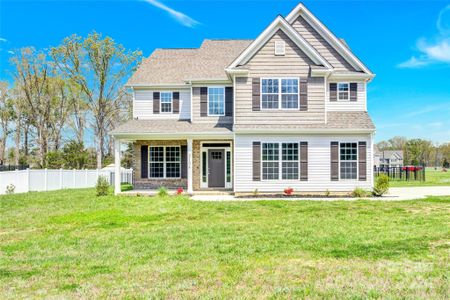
146	183
321	45
143	105
264	63
318	165
197	118
359	105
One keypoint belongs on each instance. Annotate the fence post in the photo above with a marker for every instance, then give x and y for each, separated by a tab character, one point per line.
28	180
45	179
73	178
60	178
85	178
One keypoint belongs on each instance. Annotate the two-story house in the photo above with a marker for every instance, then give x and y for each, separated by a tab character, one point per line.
288	109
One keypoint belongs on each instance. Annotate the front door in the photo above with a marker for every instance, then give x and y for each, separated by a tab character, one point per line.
216	168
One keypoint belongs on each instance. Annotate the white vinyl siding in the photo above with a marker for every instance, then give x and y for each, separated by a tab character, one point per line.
347	105
143	105
319	178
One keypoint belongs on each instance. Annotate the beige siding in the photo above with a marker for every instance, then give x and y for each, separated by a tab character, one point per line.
197	118
143	105
359	105
321	45
265	64
318	165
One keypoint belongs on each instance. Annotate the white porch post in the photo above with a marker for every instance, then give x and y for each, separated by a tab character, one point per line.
189	165
117	167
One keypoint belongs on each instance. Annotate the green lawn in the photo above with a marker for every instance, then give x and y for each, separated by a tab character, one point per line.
432	178
71	244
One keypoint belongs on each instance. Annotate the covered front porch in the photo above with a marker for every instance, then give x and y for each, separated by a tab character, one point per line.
199	162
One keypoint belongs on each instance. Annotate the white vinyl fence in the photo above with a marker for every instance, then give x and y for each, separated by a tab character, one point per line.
50	180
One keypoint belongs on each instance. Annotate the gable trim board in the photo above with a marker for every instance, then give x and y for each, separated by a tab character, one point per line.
336	43
279	24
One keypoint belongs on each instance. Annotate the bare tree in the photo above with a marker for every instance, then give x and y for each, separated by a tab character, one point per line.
99	66
6	115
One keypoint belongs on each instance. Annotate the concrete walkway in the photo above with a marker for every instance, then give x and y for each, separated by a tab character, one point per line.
395	194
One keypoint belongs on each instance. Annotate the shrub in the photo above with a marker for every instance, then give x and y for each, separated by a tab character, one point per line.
359	193
327	193
255	192
10	188
180	190
381	185
102	186
288	191
162	192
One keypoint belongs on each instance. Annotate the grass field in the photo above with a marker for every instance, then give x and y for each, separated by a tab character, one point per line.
71	244
432	178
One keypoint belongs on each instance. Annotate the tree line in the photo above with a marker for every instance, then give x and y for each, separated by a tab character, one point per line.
60	95
419	151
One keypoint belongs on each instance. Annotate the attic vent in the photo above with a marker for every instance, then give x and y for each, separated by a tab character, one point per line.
280	48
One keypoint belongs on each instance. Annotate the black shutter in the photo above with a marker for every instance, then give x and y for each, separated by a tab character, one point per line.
303	94
184	158
333	91
144	161
256	161
304	161
362	161
353	91
228	101
176	102
156	102
334	161
203	101
256	94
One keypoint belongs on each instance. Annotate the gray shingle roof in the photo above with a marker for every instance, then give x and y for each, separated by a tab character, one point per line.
335	120
169	126
175	66
357	120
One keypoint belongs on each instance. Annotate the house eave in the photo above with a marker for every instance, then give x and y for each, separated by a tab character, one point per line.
170	136
303	131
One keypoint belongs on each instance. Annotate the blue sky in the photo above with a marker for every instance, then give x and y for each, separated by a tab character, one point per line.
406	43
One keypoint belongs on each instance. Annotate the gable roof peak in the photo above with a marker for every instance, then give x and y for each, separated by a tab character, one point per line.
279	23
338	44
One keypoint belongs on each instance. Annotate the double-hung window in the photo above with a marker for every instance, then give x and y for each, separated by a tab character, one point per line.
343	91
216	101
348	160
270	161
166	102
279	93
276	165
290	160
164	162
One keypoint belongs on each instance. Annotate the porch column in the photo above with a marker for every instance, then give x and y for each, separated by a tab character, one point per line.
116	166
189	165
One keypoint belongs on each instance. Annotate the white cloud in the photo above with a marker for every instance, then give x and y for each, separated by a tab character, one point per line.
428	109
3	39
433	51
11	52
177	15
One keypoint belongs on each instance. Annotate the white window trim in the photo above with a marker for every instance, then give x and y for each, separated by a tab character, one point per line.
204	185
164	162
224	101
279	93
160	102
348	91
357	161
280	162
